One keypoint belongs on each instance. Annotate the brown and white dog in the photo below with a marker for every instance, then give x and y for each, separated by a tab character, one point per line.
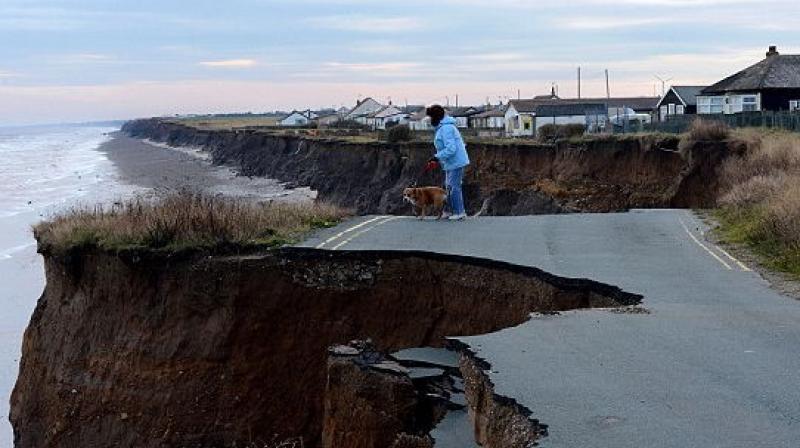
424	198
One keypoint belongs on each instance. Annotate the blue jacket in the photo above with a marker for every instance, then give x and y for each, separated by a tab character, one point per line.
450	148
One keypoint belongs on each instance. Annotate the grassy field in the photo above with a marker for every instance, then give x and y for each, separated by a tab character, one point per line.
226	123
185	221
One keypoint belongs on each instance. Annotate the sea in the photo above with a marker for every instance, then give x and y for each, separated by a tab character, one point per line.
43	170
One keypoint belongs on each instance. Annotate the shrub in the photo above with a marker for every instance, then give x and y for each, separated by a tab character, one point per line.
551	132
348	124
184	221
399	133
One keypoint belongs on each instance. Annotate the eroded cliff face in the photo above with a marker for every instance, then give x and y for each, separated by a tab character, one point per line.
504	179
144	350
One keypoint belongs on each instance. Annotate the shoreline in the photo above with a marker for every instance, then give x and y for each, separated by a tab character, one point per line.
163	169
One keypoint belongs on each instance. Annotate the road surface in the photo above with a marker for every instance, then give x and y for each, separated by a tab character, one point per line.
715	363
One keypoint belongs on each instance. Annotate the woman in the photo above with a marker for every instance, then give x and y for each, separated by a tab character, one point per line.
451	154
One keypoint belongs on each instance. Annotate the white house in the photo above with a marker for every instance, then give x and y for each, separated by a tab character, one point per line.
519	121
363	109
387	117
461	115
297	118
419	121
491	119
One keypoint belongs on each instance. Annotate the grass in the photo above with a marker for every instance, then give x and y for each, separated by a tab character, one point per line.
227	123
183	222
760	198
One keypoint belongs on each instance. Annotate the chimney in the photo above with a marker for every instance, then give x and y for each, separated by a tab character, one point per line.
773	51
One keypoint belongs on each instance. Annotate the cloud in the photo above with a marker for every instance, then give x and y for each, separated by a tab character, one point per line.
230	63
367	24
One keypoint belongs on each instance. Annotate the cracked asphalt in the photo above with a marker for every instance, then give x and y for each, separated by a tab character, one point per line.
715	362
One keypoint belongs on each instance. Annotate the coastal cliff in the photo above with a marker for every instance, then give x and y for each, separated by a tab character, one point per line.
591	175
146	349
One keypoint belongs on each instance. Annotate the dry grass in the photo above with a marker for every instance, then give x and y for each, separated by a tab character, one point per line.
227	123
761	197
185	221
704	130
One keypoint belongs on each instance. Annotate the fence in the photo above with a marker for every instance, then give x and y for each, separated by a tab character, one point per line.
676	124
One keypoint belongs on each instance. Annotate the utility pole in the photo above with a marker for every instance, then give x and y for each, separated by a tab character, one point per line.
608	87
456	100
519	94
579	83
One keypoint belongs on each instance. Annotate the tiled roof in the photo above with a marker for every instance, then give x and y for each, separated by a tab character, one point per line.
774	72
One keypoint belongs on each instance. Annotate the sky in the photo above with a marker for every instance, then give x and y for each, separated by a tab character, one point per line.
83	60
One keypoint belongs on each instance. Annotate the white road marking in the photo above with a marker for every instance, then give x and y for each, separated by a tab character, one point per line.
741	265
346	231
359	233
694	238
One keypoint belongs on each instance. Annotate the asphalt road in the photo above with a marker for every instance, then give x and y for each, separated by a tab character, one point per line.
715	363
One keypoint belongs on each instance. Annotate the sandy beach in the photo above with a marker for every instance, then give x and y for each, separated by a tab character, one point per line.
163	169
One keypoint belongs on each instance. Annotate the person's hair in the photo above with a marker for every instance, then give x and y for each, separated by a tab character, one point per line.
436	112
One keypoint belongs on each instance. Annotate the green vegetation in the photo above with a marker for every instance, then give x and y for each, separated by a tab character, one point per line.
399	133
185	221
211	123
760	201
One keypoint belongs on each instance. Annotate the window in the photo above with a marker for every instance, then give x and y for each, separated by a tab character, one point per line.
672	109
664	112
794	105
749	103
527	126
679	109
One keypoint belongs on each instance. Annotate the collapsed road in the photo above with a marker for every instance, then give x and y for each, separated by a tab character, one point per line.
710	361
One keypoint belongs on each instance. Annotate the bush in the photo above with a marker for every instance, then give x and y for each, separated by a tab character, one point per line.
760	196
399	133
348	124
184	221
551	132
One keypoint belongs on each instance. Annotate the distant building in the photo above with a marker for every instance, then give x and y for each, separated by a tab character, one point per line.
363	109
297	118
770	85
493	118
520	115
420	121
679	100
327	120
462	114
591	115
387	117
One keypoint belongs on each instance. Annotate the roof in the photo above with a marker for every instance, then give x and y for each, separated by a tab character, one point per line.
637	103
464	111
571	109
387	111
687	94
777	71
305	114
495	112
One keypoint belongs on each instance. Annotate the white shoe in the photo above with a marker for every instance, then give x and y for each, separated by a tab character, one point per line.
457	217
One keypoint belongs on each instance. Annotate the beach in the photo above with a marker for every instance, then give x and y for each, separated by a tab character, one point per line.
160	169
49	169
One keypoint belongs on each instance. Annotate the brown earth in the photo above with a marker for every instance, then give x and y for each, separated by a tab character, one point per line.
598	174
148	350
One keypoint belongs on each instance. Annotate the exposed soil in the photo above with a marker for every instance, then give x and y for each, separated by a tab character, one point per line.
598	175
137	349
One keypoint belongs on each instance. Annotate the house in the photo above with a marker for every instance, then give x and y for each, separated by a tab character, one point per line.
420	121
519	117
591	115
489	119
770	85
461	115
363	109
679	100
296	118
640	105
387	117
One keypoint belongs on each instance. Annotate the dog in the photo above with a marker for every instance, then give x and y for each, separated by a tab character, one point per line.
424	198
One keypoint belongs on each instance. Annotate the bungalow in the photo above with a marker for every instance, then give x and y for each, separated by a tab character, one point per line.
591	115
363	109
327	120
519	117
679	100
419	121
387	117
296	118
461	115
492	118
770	85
